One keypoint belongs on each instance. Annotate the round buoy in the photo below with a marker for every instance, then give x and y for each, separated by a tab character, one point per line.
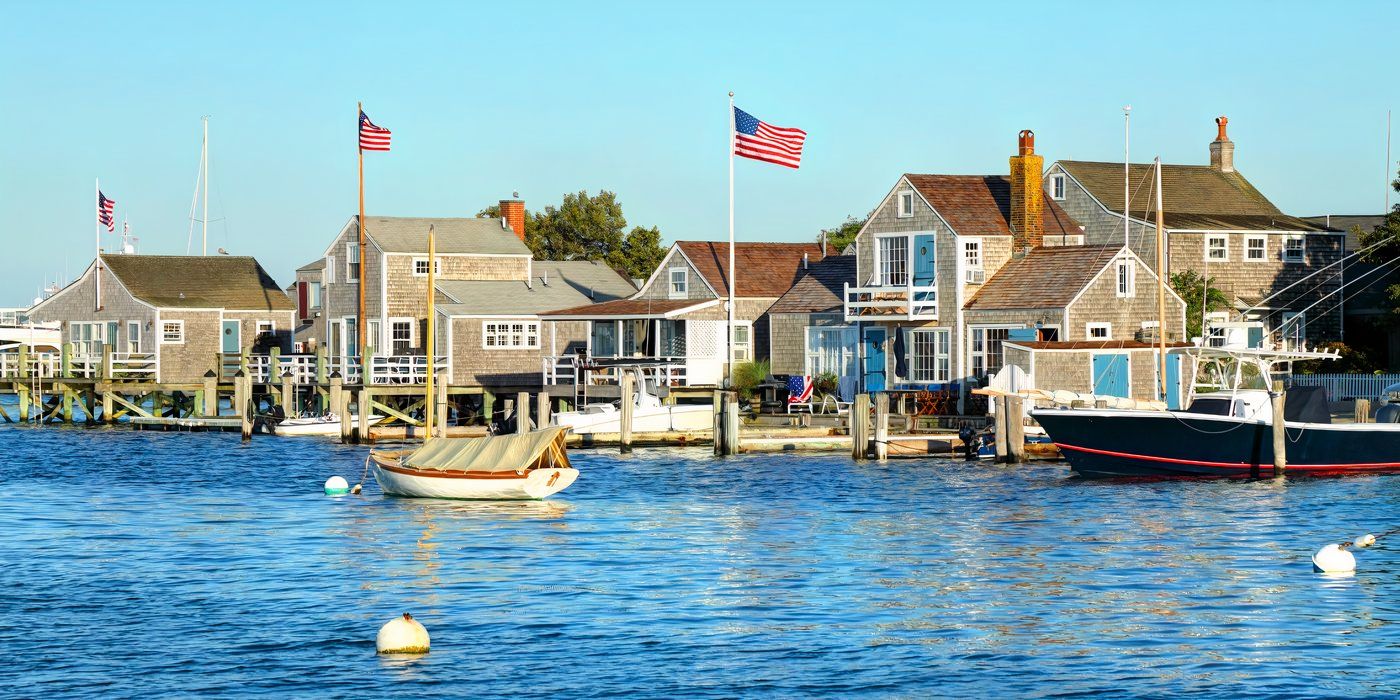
1365	540
336	486
1333	559
402	635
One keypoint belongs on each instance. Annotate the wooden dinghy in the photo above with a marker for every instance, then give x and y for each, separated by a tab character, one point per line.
534	465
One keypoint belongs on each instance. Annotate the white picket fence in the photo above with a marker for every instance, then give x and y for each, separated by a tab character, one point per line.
1348	386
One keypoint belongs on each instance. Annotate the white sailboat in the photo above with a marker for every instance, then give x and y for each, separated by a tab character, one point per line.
649	415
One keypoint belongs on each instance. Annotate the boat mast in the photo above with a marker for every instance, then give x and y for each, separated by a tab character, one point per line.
204	159
429	400
1161	292
1127	112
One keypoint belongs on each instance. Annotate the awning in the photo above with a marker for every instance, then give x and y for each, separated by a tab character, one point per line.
494	453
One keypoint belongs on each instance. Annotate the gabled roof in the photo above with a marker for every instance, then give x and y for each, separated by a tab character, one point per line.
314	265
409	234
1045	278
760	269
556	285
819	289
980	205
1196	197
633	308
201	282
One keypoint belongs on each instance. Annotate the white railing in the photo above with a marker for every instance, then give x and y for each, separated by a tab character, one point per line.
348	367
570	369
404	369
908	302
133	365
1348	386
302	368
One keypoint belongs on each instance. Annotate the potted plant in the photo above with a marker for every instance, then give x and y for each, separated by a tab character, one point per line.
747	378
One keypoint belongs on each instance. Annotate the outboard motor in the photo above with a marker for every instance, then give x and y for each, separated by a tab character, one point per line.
970	441
1389	413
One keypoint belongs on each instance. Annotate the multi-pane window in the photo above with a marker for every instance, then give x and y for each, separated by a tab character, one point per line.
133	336
906	204
172	332
972	254
1256	248
894	260
832	349
401	336
929	356
680	283
511	335
352	262
1217	248
987	350
743	342
1099	331
87	338
1057	186
1293	250
420	267
1126	272
604	339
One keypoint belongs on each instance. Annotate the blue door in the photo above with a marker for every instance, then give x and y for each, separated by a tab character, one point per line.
874	359
1111	374
924	268
1174	381
231	343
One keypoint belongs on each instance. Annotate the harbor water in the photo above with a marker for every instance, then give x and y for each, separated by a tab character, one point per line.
145	564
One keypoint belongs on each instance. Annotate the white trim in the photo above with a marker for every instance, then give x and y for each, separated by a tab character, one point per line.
384	292
349	278
413	340
1106	326
1262	231
1058	179
535	317
524	332
129	324
181	340
1128	362
671	291
622	317
1302	252
413	266
899	211
424	254
1125	263
1264	253
1206	248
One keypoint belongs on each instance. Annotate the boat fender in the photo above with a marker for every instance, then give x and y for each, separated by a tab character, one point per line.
402	635
1334	559
337	486
1364	541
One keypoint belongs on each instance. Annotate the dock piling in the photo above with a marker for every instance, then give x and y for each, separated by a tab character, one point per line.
289	395
731	423
860	427
366	407
211	394
1015	430
627	382
1276	397
999	423
882	426
1362	411
522	412
542	414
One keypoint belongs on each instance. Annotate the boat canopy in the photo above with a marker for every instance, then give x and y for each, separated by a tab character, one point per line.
493	453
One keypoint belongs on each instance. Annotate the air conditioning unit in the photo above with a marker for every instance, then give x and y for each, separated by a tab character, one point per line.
975	276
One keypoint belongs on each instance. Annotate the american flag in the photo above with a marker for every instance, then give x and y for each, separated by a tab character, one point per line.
105	207
799	388
759	140
372	138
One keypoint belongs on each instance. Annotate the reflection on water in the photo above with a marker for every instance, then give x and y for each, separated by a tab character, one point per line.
176	564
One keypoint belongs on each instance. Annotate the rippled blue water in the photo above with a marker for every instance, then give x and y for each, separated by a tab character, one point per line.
147	564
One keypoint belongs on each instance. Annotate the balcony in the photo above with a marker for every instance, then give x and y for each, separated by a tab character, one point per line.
908	303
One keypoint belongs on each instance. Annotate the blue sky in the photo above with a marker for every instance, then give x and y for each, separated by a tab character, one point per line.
553	98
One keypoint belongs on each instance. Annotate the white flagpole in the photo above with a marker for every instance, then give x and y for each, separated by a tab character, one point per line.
97	237
730	334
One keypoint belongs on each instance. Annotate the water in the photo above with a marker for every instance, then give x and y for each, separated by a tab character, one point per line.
162	564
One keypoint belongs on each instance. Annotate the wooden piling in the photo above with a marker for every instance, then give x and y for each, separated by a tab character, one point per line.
542	414
337	398
1362	411
1015	430
1276	397
999	421
731	423
289	395
627	385
107	408
22	392
211	394
65	361
243	394
522	412
882	426
366	407
860	426
717	431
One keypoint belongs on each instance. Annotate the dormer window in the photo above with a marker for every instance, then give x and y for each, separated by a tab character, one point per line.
680	283
1057	186
906	204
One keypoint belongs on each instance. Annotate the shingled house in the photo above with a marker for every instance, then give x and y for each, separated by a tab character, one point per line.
1219	225
183	310
307	292
678	316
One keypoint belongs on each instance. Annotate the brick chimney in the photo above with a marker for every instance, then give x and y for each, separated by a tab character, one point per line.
513	211
1027	197
1222	149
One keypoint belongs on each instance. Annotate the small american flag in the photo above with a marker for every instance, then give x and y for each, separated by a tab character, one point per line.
105	207
759	140
799	389
372	138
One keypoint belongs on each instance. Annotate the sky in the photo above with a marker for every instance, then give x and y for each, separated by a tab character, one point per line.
486	99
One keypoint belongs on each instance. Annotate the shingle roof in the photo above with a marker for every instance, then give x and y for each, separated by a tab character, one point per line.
409	234
819	289
314	265
1346	222
760	269
1193	197
1091	344
977	205
630	307
194	281
1045	278
570	284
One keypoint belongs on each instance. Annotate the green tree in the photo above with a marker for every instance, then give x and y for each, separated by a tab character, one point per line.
1192	287
587	227
1386	238
841	236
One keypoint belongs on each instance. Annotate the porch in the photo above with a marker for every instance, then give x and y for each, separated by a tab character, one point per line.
894	303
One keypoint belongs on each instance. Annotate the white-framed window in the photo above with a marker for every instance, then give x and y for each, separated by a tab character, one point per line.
905	201
313	295
602	339
1292	329
87	338
1098	331
172	332
510	335
972	261
832	350
987	355
133	336
330	269
892	260
743	341
930	355
420	266
1217	247
401	335
1057	186
679	281
352	263
1256	248
1294	249
1215	336
1125	273
266	327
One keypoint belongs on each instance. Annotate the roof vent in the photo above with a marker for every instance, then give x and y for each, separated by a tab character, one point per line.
544	278
804	261
503	223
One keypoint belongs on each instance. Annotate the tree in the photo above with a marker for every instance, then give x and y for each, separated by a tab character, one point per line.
1193	288
1386	239
587	227
841	236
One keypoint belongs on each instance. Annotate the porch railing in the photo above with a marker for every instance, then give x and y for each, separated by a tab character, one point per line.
910	303
570	369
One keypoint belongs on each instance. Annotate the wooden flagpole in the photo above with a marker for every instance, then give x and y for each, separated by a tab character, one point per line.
360	318
1161	291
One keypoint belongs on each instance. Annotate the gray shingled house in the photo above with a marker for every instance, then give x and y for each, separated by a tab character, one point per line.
307	292
807	332
1276	268
184	311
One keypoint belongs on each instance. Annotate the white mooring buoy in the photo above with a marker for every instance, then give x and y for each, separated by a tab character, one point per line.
336	486
1365	540
1334	559
402	635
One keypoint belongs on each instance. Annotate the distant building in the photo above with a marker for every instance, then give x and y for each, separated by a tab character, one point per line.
1365	298
308	293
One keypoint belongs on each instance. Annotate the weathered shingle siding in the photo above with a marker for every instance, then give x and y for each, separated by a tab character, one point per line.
248	325
885	219
77	302
475	365
660	288
788	339
1100	303
407	294
1102	227
188	361
1072	370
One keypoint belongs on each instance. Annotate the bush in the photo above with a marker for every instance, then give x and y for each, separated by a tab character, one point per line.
747	377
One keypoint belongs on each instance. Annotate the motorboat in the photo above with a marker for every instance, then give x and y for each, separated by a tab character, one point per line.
1226	431
649	415
531	465
323	424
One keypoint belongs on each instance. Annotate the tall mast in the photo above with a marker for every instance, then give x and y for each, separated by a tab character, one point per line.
360	224
97	237
1127	112
204	159
1161	292
431	398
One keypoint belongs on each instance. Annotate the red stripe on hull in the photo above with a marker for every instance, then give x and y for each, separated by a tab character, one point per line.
1243	467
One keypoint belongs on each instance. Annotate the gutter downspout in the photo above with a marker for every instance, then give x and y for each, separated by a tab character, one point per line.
960	331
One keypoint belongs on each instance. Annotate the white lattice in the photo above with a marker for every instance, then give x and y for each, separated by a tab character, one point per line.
705	351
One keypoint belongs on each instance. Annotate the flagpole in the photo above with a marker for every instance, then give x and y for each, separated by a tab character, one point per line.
97	237
730	334
360	319
430	401
204	226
